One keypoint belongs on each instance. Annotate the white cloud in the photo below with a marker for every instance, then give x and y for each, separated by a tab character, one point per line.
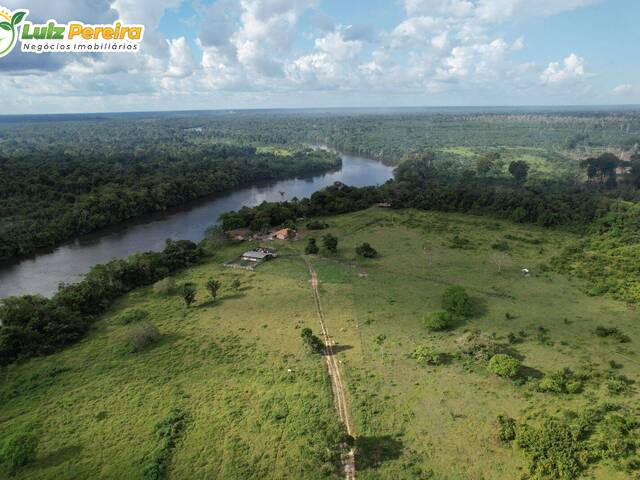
416	30
571	68
478	62
180	58
624	89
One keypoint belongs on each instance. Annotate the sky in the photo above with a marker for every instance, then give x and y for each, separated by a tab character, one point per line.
232	54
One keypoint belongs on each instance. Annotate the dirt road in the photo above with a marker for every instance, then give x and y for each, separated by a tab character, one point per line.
339	396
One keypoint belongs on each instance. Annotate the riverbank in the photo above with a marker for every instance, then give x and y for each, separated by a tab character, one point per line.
41	273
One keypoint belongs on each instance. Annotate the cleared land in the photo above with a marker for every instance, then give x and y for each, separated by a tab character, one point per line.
226	364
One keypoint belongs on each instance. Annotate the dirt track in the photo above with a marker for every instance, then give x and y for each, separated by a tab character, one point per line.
339	396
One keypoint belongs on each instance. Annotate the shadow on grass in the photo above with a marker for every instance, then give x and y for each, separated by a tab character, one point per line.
340	348
371	452
530	373
480	307
60	456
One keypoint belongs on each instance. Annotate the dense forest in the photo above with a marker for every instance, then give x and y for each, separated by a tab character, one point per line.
49	194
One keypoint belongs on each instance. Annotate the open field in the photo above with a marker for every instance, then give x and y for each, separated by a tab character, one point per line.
225	365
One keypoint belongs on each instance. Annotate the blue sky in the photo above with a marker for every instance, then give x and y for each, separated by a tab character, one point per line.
209	54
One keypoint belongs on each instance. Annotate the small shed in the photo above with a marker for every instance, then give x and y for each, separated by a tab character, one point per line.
363	275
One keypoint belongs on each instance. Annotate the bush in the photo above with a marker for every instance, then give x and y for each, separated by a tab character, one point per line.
506	428
438	321
426	356
142	337
619	385
317	225
456	301
312	247
330	242
18	450
166	286
478	345
562	381
504	365
366	250
311	341
554	450
188	293
612	332
133	315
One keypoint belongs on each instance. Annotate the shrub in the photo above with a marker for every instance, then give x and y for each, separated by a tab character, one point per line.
562	381
456	301
366	250
212	287
438	321
311	247
317	225
612	332
619	385
504	365
166	286
506	428
142	337
426	356
553	449
188	293
133	315
18	450
478	345
330	242
311	341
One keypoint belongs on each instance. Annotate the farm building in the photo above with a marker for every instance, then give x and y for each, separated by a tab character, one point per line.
258	255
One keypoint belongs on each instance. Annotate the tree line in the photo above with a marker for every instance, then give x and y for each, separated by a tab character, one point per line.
33	325
45	199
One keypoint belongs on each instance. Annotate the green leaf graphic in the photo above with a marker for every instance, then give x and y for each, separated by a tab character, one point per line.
17	17
6	26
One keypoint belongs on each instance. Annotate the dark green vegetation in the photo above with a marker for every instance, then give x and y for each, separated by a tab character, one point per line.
52	191
34	325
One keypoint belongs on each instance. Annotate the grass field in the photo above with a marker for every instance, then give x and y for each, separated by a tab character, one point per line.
225	365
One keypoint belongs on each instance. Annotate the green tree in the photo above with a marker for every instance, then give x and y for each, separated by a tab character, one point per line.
188	293
504	365
235	284
456	301
330	243
213	286
312	247
519	169
366	250
486	163
311	341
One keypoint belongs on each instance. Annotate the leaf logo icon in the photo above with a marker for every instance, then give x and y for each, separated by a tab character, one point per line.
8	27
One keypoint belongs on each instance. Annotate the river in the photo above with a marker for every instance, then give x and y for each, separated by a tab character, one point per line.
41	273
